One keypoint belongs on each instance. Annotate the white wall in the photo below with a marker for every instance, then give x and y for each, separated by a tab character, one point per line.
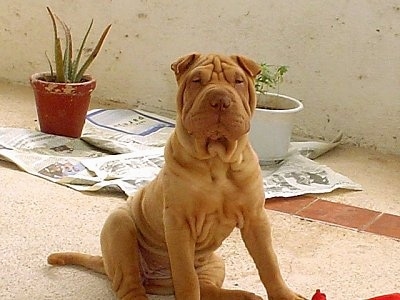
344	55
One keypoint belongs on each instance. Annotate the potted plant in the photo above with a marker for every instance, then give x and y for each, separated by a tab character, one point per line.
272	123
62	95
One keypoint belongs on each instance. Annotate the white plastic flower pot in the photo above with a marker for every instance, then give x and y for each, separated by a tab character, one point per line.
272	124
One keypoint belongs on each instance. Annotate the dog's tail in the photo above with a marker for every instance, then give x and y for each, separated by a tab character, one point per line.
91	262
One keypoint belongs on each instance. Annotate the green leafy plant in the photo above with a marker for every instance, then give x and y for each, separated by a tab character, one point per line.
270	77
67	67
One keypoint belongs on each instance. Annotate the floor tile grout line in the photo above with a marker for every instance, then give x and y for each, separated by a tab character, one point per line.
368	224
306	206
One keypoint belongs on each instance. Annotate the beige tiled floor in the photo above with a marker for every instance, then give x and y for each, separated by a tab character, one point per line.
38	217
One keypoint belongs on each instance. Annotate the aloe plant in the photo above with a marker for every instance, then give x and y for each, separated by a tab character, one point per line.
67	68
270	77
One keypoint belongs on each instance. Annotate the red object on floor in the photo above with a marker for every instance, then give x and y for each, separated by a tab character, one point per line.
318	296
321	296
395	296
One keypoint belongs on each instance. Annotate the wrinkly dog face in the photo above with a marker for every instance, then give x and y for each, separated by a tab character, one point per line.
216	97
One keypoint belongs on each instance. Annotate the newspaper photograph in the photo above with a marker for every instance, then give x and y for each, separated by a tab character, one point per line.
298	174
122	150
48	156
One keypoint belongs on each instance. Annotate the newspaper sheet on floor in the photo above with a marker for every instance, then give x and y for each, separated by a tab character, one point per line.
123	150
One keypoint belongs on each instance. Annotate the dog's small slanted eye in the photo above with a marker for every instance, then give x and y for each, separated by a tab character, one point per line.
196	80
239	81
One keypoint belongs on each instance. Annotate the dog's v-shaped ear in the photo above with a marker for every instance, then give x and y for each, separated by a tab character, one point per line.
183	63
251	67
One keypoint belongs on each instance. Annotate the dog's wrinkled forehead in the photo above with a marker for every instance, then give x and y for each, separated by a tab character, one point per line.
220	66
223	69
216	66
214	69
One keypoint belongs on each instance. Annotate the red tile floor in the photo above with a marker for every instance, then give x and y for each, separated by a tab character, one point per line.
352	217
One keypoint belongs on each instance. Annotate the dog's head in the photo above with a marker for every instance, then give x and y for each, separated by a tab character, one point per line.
215	101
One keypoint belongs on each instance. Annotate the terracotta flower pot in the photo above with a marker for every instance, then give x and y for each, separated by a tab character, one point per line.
62	107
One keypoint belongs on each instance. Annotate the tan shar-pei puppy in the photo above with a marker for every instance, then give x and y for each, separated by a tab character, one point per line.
163	240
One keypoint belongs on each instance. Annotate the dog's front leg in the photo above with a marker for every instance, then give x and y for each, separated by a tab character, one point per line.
181	246
256	234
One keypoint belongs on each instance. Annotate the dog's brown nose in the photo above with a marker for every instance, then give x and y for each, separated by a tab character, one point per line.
220	102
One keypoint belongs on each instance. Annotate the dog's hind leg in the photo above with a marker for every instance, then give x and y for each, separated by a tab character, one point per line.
211	277
121	255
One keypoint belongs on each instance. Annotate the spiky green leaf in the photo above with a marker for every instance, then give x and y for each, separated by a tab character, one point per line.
93	55
66	66
57	50
50	65
67	61
78	57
